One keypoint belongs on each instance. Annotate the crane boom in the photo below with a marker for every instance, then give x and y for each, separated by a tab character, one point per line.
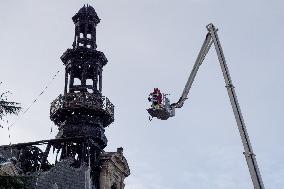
212	37
249	155
201	55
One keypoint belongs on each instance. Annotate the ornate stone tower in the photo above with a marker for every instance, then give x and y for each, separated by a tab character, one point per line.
82	112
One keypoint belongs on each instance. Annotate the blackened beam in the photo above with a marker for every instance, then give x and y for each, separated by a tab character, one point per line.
51	141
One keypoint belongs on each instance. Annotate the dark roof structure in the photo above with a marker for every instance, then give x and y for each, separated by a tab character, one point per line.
86	12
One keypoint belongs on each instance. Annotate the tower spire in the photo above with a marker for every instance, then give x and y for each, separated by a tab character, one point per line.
82	111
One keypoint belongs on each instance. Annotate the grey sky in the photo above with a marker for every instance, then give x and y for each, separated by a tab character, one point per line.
153	43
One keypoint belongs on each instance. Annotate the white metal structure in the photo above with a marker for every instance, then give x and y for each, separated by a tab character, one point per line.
167	110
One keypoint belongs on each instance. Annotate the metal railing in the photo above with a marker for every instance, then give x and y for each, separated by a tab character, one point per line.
82	100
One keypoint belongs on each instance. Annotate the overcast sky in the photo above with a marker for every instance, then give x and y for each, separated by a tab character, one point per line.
154	43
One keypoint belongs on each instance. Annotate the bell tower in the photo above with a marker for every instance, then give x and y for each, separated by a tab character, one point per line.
82	111
87	63
85	22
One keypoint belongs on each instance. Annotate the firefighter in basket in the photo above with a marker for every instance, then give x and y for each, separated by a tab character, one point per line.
156	98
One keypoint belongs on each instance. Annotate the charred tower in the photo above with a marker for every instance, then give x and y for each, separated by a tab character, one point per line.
82	113
82	110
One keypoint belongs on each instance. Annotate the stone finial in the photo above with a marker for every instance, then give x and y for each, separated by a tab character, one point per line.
120	150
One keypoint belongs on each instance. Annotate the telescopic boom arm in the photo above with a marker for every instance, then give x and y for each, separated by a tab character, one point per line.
202	53
212	37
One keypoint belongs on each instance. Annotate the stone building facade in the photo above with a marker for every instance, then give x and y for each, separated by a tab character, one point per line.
114	170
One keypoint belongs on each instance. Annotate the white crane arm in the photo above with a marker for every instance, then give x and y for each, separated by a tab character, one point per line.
249	155
212	37
201	55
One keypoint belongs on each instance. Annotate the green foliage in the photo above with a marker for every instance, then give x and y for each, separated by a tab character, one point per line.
8	107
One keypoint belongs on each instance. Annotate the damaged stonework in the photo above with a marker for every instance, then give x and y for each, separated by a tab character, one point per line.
114	170
63	175
8	169
10	173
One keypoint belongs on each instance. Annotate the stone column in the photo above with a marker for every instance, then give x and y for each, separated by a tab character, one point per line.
105	178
